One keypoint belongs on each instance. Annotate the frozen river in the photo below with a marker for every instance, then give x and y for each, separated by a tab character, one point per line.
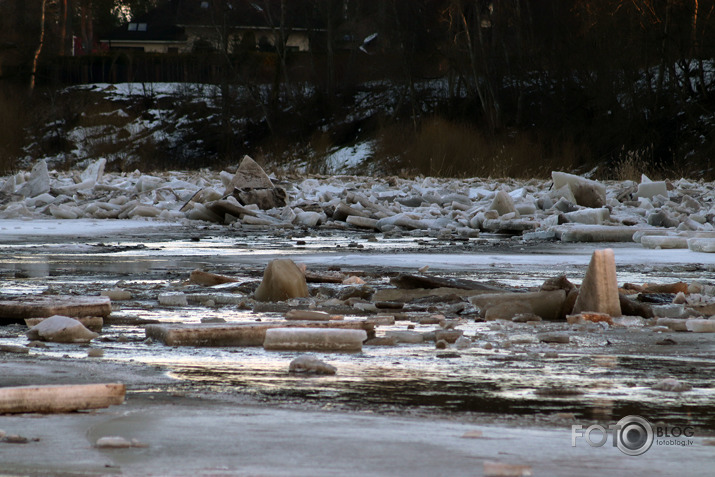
600	375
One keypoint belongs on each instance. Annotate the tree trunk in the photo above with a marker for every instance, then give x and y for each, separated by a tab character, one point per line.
39	47
492	105
663	53
484	100
694	32
280	38
226	100
66	30
407	56
330	73
86	27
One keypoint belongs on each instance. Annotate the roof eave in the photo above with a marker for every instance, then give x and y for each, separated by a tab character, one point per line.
249	27
165	42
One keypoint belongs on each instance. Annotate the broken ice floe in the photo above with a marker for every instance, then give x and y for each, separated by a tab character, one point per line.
61	329
44	306
306	364
570	208
240	334
48	399
317	339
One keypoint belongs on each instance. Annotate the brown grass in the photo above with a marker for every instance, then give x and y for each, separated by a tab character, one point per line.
632	164
14	117
451	149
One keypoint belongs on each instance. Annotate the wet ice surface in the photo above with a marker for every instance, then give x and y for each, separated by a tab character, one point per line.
600	375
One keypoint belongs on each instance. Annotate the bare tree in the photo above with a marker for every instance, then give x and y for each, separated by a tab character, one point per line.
40	44
470	24
86	21
66	27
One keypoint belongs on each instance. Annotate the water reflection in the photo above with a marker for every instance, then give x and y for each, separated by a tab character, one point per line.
517	381
30	269
603	409
388	389
605	361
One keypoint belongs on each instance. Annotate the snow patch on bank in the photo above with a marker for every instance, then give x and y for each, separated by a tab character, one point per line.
349	159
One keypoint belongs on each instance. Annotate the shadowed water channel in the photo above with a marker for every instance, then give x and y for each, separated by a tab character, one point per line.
598	377
501	387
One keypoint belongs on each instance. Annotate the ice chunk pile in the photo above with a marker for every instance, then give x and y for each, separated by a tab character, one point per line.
665	214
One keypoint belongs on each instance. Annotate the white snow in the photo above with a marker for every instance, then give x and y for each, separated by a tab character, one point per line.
19	228
345	159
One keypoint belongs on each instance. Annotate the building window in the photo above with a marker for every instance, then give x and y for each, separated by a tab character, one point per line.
204	4
141	27
132	27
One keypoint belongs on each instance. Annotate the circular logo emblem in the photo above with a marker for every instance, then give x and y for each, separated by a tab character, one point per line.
634	436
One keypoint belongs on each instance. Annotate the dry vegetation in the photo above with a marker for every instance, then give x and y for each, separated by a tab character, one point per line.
185	133
456	149
14	117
